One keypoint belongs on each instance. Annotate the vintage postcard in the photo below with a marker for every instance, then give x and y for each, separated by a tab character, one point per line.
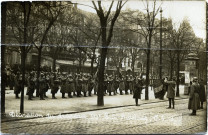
104	67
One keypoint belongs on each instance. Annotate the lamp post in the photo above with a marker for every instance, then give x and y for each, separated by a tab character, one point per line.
160	43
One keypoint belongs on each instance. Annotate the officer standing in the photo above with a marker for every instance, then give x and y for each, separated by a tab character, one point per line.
194	101
138	89
171	92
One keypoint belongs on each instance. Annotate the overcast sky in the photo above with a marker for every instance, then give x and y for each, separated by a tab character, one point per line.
194	11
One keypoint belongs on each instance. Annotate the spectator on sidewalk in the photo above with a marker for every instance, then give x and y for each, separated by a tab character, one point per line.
202	93
138	89
171	92
194	101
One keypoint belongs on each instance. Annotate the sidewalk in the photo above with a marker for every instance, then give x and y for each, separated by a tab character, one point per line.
41	108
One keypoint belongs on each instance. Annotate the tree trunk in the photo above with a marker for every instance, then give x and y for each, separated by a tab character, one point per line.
23	58
148	67
178	70
38	68
100	99
54	63
3	72
147	76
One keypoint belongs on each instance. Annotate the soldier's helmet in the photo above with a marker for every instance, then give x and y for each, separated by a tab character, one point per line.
41	74
31	73
195	79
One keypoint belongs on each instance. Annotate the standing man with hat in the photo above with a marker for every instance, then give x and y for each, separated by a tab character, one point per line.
194	101
171	92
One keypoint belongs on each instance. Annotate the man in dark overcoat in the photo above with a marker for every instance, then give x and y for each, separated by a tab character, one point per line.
194	101
137	91
171	92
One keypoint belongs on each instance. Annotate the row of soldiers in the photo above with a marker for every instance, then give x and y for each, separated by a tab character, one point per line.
75	84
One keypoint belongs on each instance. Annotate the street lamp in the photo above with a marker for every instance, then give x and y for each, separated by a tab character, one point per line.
161	43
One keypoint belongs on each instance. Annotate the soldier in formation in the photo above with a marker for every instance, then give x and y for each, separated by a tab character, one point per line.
71	85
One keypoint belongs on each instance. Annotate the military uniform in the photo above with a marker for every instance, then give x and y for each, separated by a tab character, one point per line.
194	101
85	85
171	92
70	85
202	94
95	80
126	84
64	88
42	86
18	85
131	83
137	90
105	85
54	86
30	87
110	85
121	85
79	85
90	85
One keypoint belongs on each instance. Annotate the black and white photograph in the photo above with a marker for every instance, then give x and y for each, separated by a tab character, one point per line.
104	67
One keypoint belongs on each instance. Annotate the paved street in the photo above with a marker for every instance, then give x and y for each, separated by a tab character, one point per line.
147	118
71	105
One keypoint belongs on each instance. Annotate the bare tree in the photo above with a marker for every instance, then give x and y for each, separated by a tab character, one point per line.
45	16
106	35
183	40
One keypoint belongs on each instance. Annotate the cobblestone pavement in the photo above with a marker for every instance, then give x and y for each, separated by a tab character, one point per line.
147	118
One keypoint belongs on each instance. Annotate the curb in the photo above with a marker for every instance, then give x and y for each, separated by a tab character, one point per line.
97	109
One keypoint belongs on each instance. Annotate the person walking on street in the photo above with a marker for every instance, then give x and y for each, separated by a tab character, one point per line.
202	93
137	91
194	101
171	92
